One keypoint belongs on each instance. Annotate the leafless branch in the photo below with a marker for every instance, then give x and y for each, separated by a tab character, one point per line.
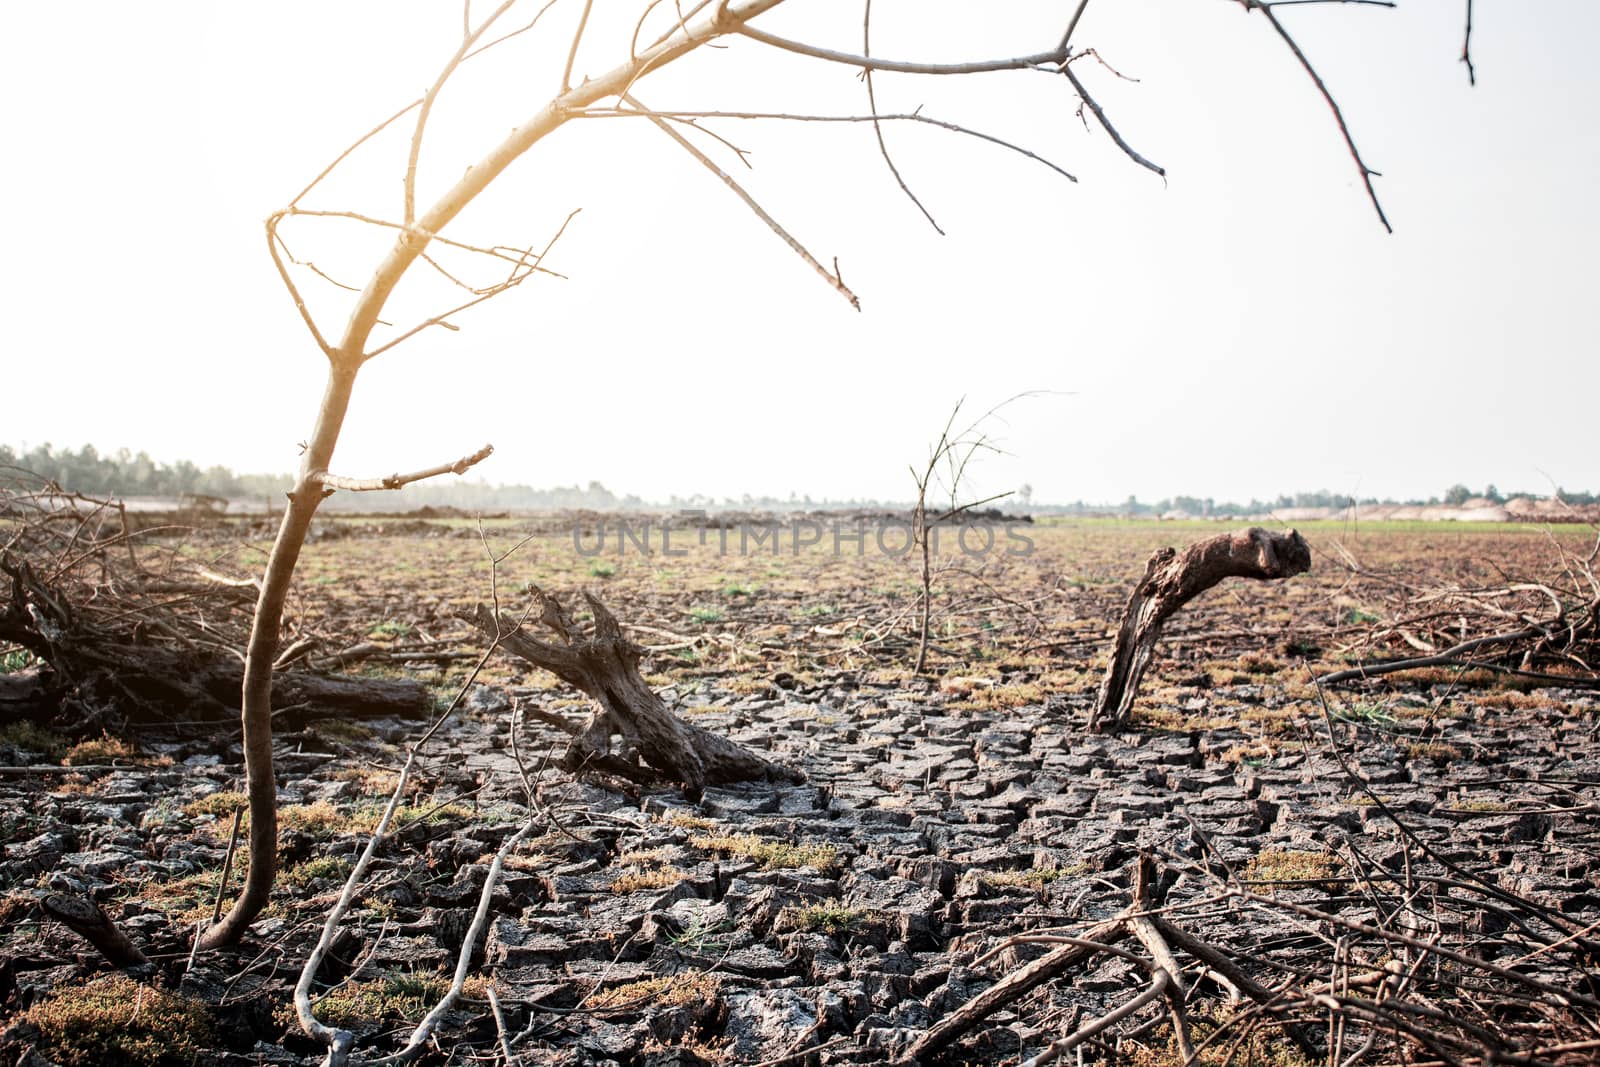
469	37
1047	61
780	116
395	481
1466	48
1072	27
288	283
1367	173
572	52
877	127
1105	123
831	277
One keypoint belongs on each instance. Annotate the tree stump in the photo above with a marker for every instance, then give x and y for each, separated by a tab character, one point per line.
605	665
1172	579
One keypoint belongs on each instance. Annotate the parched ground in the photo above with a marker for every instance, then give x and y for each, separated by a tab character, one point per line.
1421	852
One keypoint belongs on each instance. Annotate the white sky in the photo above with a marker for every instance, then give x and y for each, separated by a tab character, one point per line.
1243	329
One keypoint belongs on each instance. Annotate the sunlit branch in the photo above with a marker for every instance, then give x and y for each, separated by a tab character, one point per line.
782	116
572	52
481	49
288	283
521	271
468	39
312	267
357	143
395	481
495	252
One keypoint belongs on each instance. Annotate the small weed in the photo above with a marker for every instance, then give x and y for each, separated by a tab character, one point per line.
340	730
817	611
739	589
1365	714
1358	617
391	628
685	821
703	614
18	659
599	568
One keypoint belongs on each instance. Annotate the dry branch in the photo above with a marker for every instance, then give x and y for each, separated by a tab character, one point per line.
1172	579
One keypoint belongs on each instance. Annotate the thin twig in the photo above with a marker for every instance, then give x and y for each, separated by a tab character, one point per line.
704	160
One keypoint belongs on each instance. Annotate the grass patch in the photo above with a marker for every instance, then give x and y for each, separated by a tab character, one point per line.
771	855
704	614
407	997
1437	751
1036	878
637	881
216	805
685	821
599	568
667	990
323	868
1292	865
830	919
391	628
113	1019
102	749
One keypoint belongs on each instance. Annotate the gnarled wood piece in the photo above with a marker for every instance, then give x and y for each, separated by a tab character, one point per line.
1172	579
605	664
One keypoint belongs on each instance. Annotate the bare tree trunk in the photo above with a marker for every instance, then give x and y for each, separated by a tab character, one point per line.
1172	579
605	665
255	714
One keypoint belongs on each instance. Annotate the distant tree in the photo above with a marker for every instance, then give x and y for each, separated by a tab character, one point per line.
1493	495
1457	495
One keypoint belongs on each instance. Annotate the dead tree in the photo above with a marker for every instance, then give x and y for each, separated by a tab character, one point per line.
605	664
1172	579
660	36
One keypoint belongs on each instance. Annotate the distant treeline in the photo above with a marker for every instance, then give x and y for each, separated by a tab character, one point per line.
125	473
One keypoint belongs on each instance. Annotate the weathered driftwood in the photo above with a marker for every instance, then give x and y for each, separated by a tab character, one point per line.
1172	579
605	665
141	680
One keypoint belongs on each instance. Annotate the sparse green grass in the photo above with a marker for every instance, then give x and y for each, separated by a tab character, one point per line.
302	875
216	805
830	919
705	614
403	996
599	568
771	855
116	1020
1035	878
392	628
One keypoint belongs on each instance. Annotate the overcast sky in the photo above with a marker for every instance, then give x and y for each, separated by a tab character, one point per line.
1243	328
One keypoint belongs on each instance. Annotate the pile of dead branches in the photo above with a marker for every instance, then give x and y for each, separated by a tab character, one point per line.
102	622
1545	629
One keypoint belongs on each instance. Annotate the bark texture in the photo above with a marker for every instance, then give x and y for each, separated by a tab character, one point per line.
656	745
1172	579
